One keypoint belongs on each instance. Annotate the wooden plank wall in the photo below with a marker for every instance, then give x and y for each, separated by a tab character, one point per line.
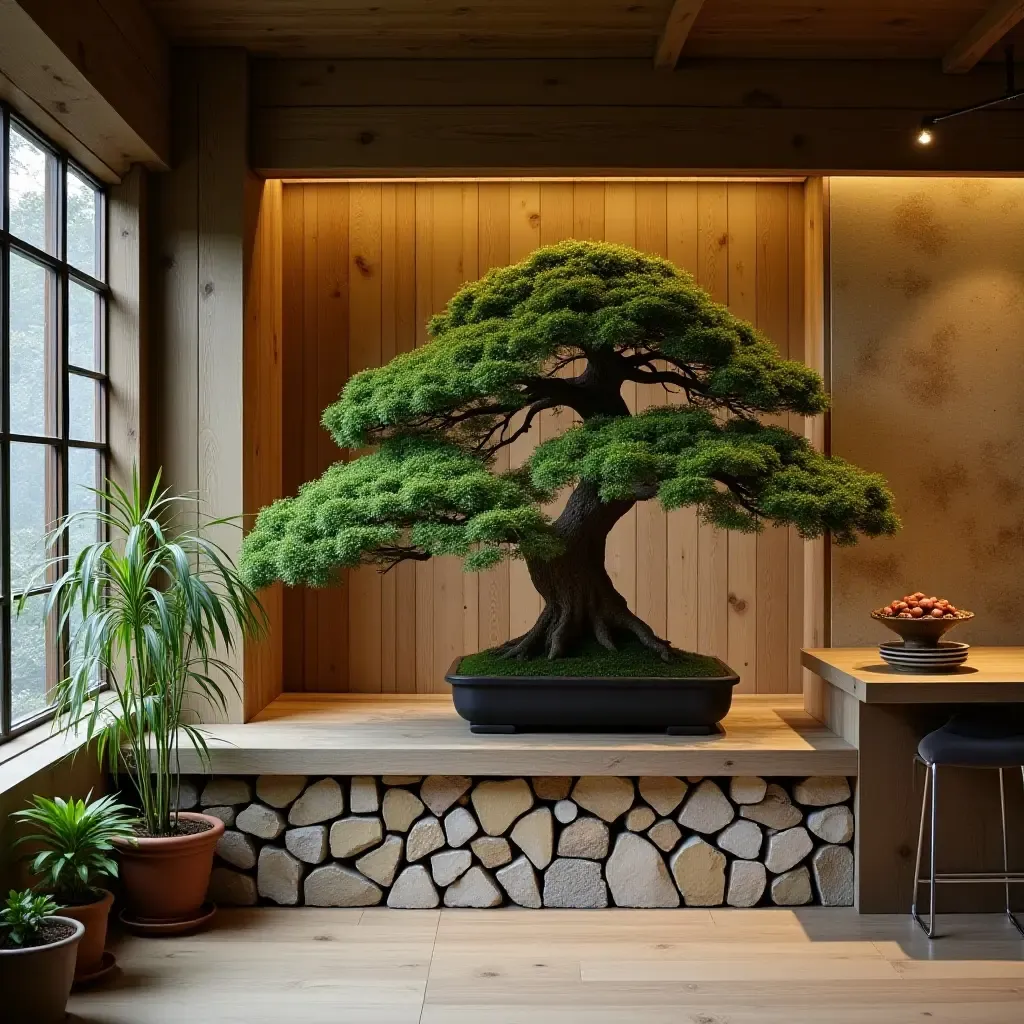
366	264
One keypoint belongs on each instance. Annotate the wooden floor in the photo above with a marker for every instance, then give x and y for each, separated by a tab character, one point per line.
380	966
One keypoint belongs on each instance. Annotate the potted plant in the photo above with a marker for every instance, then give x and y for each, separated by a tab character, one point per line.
75	842
37	959
566	329
157	610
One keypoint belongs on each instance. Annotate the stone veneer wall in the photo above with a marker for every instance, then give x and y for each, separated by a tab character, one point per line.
596	841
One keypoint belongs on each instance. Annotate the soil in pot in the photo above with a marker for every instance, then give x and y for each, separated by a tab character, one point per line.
35	980
93	917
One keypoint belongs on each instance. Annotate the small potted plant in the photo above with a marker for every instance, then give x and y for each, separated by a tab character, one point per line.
37	959
75	843
158	610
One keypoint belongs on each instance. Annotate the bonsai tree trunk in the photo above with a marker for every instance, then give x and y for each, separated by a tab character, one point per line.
580	601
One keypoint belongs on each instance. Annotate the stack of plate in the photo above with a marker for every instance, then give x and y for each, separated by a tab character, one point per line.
944	657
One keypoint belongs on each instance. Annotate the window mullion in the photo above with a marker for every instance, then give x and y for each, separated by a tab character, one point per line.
5	446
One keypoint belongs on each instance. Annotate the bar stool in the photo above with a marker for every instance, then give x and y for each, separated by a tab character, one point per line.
993	739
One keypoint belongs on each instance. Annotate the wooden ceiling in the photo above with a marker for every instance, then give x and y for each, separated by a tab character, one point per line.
847	29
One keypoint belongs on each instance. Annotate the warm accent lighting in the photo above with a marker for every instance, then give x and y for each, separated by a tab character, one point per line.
924	136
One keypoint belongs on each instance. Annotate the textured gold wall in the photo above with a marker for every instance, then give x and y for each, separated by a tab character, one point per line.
928	379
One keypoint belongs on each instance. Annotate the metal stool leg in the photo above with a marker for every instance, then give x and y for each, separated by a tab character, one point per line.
934	837
1006	860
920	849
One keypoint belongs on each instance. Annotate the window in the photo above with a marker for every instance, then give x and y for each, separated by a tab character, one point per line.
54	397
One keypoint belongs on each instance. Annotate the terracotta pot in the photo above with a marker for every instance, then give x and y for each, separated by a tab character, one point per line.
93	917
35	983
166	879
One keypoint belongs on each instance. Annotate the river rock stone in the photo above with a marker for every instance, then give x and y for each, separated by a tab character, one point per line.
776	810
460	826
663	792
833	824
264	822
232	888
793	889
566	811
321	801
186	797
833	873
381	864
699	871
414	890
552	787
450	865
498	804
637	875
747	881
534	834
439	792
707	810
607	796
747	789
308	843
335	885
585	837
400	809
821	790
640	819
786	849
425	837
363	797
223	790
351	836
492	851
575	884
519	880
742	838
475	888
226	814
237	849
278	875
401	780
279	790
665	834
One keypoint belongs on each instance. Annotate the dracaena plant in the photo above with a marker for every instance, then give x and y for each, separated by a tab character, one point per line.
24	915
76	840
157	608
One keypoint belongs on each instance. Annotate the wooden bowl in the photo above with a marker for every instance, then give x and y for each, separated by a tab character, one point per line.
923	632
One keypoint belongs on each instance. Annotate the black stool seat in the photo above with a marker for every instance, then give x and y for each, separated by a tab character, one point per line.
993	739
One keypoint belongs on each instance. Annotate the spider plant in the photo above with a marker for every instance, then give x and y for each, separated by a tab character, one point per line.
157	609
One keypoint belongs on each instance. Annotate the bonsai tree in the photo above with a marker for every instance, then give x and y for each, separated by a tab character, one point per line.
565	328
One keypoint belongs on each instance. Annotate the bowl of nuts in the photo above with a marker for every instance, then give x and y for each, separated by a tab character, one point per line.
921	620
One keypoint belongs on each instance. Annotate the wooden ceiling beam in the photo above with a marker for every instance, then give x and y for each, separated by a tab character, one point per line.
675	33
1000	18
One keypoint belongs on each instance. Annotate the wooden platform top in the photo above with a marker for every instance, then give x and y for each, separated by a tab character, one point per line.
377	734
991	674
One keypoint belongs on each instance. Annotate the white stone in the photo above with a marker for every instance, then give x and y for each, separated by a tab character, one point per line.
833	824
519	880
637	876
699	871
223	790
498	804
492	851
475	888
401	780
833	873
663	792
776	810
321	801
552	787
640	819
187	796
707	810
747	881
534	834
459	827
821	790
786	849
449	865
351	836
439	792
264	822
278	875
607	796
575	884
231	888
793	889
742	838
665	834
226	814
363	797
747	789
308	843
585	837
335	885
400	808
279	790
425	837
381	864
238	849
566	811
414	890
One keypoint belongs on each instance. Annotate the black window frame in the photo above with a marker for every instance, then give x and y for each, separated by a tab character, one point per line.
61	444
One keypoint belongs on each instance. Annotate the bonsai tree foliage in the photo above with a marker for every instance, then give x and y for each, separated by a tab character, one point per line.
565	328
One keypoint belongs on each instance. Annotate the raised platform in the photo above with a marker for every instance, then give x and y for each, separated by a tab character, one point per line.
361	734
